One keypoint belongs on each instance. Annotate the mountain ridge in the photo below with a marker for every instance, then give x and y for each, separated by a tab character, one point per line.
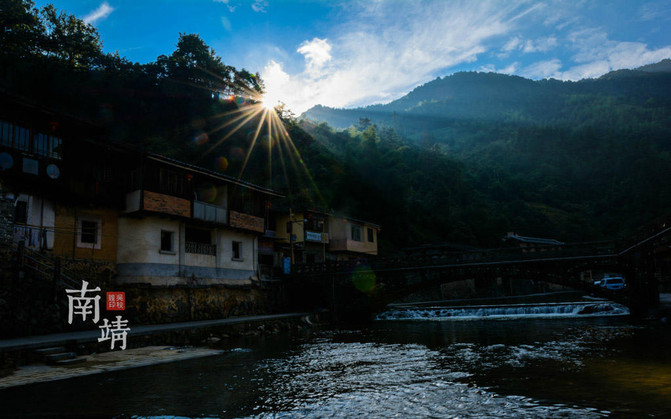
494	95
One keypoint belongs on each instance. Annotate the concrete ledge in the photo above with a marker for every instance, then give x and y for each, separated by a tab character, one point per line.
42	341
105	362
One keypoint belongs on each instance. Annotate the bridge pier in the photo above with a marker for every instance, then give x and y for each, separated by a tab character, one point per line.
643	289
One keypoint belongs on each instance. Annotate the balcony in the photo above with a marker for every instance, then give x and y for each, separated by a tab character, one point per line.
200	248
347	245
247	222
144	200
209	212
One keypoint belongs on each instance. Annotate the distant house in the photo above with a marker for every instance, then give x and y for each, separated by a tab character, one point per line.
525	242
313	236
304	234
352	238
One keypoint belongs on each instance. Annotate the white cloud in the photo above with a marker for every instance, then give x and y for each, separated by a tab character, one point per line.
656	10
544	44
386	48
510	69
226	23
512	44
228	4
596	54
542	69
317	53
260	6
100	13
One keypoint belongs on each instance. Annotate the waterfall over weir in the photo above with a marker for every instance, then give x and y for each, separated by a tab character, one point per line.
502	312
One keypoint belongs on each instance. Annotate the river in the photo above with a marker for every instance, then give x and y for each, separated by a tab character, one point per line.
411	366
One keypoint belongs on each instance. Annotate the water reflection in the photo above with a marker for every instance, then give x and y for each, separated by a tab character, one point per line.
522	368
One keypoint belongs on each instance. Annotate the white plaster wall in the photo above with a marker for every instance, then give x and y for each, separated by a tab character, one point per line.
139	240
225	240
195	259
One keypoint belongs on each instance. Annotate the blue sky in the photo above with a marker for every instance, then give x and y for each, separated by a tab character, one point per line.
352	53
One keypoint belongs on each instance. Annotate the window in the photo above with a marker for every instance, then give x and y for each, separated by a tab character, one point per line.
172	183
6	133
237	251
55	149
41	143
197	240
356	233
167	243
371	235
89	233
21	212
198	235
314	223
22	140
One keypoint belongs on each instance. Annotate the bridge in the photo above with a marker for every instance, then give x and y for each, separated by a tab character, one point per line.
359	289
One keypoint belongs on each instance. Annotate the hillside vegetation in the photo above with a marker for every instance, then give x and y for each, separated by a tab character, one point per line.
572	160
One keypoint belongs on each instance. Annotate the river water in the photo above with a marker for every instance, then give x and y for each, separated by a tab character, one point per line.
416	365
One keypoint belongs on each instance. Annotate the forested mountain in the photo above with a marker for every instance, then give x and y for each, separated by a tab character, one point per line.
462	159
497	97
572	160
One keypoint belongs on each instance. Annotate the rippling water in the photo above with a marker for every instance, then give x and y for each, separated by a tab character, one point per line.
593	367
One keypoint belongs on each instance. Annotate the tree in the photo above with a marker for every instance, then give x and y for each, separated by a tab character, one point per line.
70	39
20	28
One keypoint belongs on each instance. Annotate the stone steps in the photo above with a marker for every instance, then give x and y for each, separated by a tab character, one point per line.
71	361
54	358
57	355
43	352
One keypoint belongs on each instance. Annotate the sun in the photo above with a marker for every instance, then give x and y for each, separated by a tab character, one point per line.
268	103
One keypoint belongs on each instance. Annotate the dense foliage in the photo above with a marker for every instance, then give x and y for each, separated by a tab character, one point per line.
56	60
575	161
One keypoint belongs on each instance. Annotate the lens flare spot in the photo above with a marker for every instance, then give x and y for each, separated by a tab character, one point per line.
240	101
221	163
201	138
207	192
364	279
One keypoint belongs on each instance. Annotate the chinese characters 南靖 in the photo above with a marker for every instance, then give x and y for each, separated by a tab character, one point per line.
115	331
83	305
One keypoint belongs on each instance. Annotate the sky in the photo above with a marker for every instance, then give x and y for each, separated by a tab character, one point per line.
348	53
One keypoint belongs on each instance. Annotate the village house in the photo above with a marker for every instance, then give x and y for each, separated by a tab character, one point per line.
183	223
352	238
530	244
303	234
312	236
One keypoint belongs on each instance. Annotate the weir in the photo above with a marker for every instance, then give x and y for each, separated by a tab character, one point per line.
509	311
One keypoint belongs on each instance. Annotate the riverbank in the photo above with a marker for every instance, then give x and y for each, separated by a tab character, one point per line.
104	362
22	360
